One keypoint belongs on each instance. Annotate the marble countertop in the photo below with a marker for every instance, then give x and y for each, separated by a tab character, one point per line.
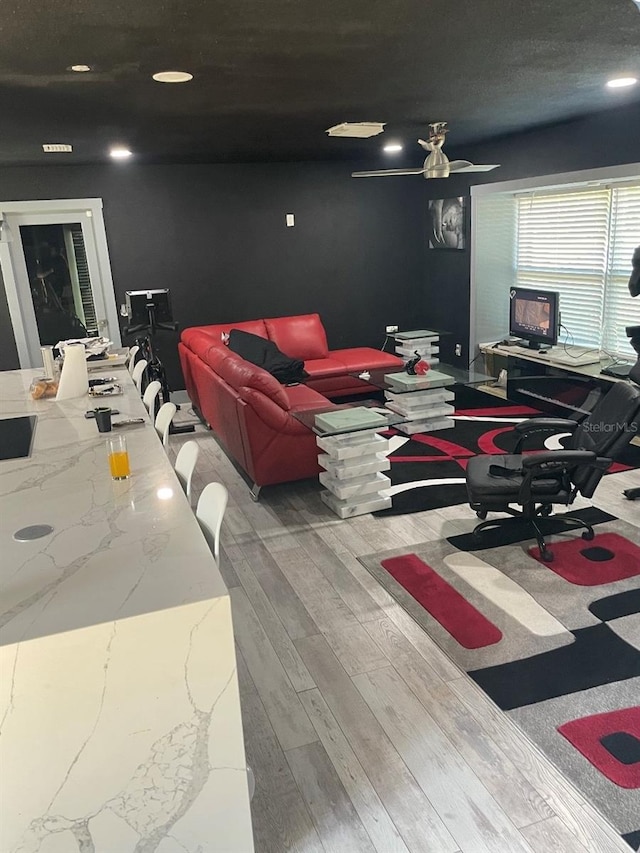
119	707
119	548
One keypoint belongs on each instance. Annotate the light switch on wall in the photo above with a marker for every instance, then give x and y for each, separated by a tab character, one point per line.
290	220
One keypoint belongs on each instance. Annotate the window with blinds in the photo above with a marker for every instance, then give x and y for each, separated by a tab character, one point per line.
580	243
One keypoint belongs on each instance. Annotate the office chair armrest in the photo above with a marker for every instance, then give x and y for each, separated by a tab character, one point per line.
533	426
555	460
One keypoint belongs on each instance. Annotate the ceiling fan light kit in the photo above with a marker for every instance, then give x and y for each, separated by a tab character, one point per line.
436	165
357	129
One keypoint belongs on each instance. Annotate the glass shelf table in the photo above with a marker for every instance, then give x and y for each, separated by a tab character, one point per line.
353	457
424	401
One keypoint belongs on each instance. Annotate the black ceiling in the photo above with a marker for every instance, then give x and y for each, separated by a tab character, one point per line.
271	75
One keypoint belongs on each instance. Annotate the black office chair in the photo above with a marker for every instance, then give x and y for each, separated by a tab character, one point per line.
538	481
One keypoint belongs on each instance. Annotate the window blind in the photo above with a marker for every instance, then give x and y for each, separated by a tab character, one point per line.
580	242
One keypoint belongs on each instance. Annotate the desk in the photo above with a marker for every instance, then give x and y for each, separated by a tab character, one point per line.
119	712
557	389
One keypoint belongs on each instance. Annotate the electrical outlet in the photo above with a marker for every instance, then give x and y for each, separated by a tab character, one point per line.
391	329
458	349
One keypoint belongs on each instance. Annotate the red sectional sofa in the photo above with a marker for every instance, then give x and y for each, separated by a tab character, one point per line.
251	412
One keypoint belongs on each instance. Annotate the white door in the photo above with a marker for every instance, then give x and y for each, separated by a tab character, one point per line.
55	265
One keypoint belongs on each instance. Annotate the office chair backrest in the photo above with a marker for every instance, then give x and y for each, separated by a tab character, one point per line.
607	430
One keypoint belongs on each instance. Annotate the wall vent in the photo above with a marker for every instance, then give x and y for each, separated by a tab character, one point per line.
357	129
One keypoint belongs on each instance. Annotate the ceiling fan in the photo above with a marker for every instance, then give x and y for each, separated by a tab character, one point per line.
437	164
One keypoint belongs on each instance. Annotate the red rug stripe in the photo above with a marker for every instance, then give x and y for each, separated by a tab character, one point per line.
486	442
570	563
460	618
422	459
449	448
585	735
505	411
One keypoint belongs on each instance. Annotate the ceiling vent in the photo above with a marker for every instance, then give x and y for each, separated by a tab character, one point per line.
57	148
357	129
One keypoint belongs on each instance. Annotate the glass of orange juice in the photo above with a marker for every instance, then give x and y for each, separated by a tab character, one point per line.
118	457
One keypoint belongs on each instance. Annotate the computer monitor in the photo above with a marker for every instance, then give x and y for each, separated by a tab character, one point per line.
534	316
147	306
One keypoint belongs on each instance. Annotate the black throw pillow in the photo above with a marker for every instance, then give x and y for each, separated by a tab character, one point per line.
265	354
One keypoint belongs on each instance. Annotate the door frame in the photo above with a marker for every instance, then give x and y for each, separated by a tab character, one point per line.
87	211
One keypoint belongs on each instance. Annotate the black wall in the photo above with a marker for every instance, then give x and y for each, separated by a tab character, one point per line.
216	236
608	139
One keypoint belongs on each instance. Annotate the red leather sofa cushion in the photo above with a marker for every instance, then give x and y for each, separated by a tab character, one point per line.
242	374
365	358
324	367
299	337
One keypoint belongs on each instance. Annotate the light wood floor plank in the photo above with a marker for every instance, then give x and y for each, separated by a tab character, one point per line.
280	818
280	700
471	815
352	593
336	820
510	789
327	609
274	629
415	818
373	814
552	834
356	650
290	609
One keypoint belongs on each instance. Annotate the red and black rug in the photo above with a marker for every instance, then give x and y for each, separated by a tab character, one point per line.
555	646
428	469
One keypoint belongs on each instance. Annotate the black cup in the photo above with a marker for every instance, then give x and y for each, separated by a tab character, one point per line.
103	419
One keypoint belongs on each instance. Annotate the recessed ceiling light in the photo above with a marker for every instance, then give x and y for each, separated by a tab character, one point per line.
622	82
173	76
393	148
79	68
120	153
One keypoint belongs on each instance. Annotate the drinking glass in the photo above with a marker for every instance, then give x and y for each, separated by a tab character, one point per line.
118	457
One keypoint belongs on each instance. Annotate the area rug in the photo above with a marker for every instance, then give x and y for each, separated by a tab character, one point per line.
556	646
428	469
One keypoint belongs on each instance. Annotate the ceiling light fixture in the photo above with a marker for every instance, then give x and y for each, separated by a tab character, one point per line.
621	82
172	76
120	153
81	69
393	148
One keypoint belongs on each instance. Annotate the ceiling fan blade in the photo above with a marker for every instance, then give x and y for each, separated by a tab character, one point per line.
385	172
465	166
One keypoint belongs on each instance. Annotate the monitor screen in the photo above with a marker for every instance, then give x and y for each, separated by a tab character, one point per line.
534	316
142	303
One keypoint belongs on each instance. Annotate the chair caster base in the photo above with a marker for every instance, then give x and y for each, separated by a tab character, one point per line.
588	535
546	555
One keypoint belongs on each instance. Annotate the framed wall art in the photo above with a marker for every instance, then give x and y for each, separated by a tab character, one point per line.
447	219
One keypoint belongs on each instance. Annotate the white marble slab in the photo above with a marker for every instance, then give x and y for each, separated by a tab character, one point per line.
119	710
